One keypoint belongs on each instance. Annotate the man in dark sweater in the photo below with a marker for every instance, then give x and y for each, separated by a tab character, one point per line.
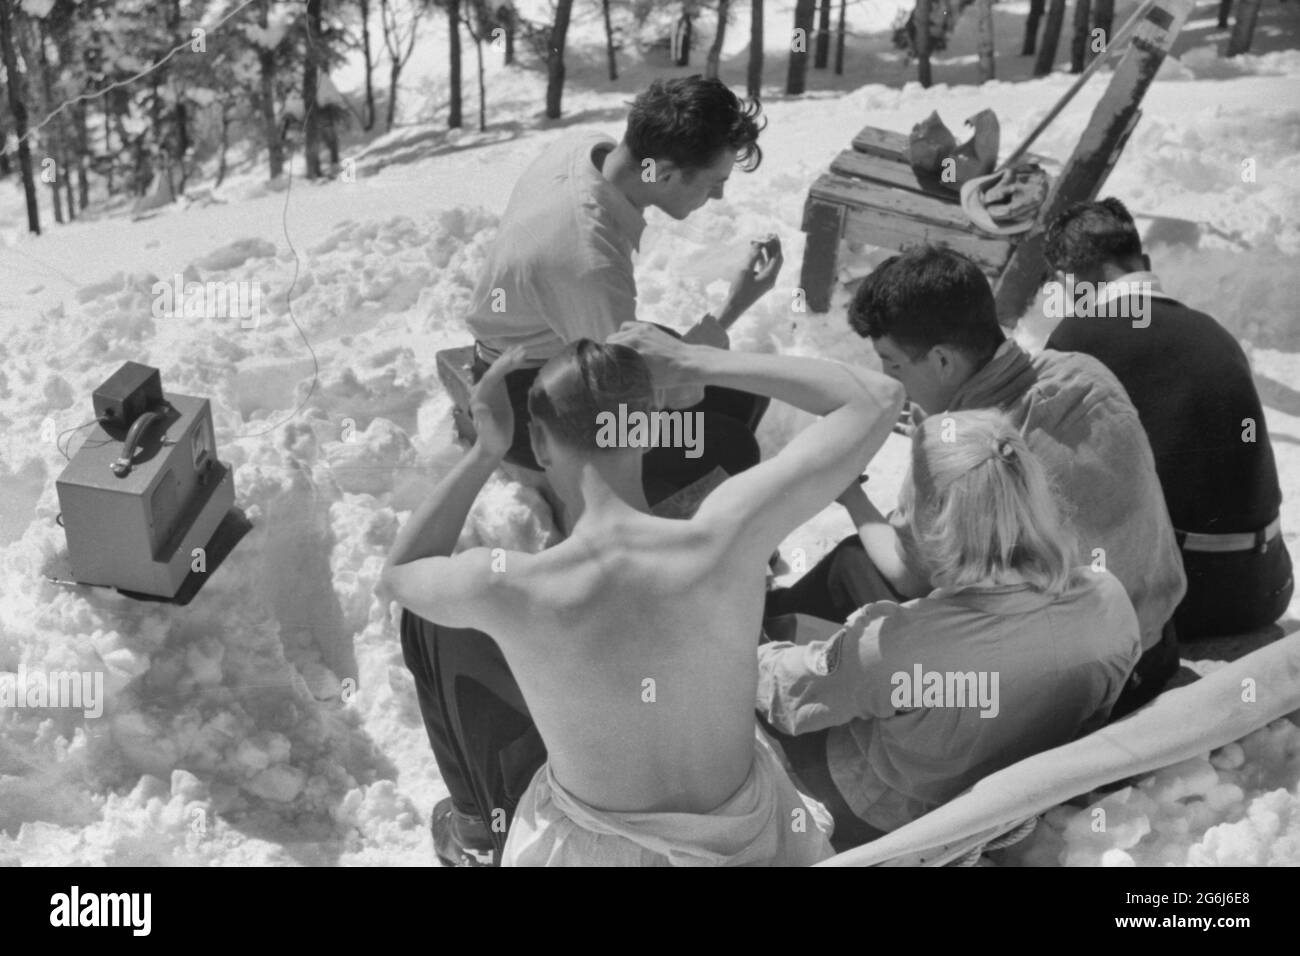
1191	384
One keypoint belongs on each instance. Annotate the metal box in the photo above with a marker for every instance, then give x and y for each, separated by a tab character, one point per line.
138	532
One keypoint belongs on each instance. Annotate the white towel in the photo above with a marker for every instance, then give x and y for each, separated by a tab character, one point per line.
766	823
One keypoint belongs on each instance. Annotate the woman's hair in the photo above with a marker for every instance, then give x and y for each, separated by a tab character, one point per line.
979	504
583	380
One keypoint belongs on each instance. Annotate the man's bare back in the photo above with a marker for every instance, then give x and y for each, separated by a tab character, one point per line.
633	642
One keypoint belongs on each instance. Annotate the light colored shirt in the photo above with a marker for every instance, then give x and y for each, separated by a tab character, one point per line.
894	750
560	268
1076	417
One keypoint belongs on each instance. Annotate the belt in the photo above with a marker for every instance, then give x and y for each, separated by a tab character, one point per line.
1244	541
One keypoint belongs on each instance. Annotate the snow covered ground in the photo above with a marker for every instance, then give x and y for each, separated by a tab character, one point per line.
272	720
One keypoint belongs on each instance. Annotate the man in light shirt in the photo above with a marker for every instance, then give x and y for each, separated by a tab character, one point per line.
560	270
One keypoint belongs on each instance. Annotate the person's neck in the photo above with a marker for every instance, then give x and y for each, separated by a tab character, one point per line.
597	489
622	171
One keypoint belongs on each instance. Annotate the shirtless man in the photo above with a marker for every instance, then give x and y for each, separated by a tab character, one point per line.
633	639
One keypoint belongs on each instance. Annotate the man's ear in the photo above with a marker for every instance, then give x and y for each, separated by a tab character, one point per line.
1146	262
943	359
666	170
541	447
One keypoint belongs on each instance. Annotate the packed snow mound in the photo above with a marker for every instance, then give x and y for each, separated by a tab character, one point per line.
1239	806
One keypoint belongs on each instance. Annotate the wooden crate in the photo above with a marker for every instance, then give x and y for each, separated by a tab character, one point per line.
871	195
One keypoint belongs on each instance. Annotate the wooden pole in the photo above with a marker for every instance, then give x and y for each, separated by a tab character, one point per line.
1099	147
921	20
1051	38
1079	41
1031	27
1243	29
985	40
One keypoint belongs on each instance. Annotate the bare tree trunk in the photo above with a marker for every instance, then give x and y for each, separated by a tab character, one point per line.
454	120
609	41
394	71
715	49
805	12
368	116
506	18
19	110
555	58
754	71
921	20
482	88
985	39
67	187
1051	38
839	42
1103	18
266	101
1031	27
310	110
52	162
1079	41
1243	29
225	143
822	52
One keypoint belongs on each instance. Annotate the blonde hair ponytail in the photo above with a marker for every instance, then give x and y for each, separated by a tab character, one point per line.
980	505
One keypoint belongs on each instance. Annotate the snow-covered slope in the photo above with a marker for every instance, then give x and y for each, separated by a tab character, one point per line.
272	720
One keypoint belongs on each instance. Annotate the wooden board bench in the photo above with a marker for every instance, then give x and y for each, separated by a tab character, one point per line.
870	195
455	371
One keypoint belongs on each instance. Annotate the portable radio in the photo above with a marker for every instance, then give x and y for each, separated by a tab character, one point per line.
145	490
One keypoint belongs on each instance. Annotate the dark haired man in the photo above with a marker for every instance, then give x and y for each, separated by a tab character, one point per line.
1192	386
560	267
559	270
930	316
633	639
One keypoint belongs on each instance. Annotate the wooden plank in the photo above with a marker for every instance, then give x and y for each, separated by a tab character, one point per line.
1095	155
882	142
881	170
857	192
890	230
824	223
455	371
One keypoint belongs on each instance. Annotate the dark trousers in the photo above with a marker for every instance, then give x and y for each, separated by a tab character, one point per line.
484	740
1236	591
846	579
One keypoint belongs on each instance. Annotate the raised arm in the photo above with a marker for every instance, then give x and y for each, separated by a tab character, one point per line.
762	505
421	574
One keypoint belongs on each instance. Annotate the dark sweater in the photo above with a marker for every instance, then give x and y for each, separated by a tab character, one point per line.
1191	384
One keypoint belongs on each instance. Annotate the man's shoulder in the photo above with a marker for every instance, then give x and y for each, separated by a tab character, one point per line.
1076	377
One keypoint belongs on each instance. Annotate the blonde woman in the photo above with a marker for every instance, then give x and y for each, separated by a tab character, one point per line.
1016	650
